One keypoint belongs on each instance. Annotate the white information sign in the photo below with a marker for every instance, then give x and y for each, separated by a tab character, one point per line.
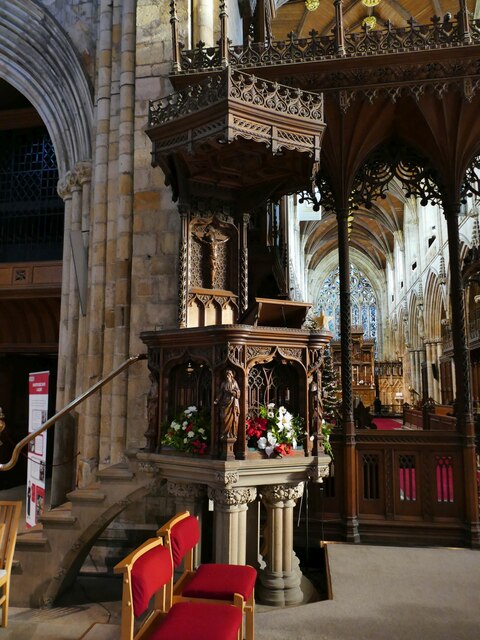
37	448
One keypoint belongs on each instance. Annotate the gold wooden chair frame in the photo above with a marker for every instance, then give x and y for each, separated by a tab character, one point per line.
9	521
180	588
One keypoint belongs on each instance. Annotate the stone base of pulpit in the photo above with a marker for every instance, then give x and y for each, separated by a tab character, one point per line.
280	588
235	488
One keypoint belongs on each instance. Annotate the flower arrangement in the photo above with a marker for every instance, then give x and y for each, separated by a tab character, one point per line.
275	431
188	432
326	431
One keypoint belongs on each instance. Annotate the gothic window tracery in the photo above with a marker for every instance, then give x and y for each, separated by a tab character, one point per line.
363	302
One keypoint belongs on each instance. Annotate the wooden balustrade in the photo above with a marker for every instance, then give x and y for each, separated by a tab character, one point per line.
410	488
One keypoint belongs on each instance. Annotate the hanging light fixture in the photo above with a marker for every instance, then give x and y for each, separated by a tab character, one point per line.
370	22
312	5
371	3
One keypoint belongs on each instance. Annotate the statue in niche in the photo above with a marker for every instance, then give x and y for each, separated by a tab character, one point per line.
229	405
212	237
152	414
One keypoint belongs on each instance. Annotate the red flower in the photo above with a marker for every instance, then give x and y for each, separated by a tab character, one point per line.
284	449
199	447
256	427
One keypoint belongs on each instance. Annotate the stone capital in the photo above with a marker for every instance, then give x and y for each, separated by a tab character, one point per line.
238	497
186	490
227	477
83	172
279	495
66	185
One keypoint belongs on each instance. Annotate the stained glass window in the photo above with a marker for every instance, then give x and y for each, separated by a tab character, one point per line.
363	302
31	211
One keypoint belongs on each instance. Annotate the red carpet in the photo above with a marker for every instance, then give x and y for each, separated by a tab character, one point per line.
386	424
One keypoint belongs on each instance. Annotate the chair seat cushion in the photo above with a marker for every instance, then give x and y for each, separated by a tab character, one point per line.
199	621
221	581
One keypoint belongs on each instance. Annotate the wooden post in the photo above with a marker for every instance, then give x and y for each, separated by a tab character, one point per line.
461	357
350	459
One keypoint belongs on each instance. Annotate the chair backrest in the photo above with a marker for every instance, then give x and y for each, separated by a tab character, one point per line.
9	518
181	534
147	572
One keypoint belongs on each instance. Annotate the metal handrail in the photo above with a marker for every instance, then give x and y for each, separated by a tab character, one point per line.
71	405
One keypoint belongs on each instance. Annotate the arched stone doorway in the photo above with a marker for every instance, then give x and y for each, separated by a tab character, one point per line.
39	66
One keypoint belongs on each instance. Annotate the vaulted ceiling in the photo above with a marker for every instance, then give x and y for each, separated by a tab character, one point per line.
372	231
293	16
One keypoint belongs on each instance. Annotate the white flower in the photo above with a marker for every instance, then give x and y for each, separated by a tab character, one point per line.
175	425
262	443
192	409
185	440
185	424
190	434
270	405
284	421
269	450
201	430
271	438
282	410
271	414
294	443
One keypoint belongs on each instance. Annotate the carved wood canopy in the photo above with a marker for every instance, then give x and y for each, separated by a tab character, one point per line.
412	80
234	134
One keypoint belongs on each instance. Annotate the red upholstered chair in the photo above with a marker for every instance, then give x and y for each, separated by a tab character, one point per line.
146	602
222	583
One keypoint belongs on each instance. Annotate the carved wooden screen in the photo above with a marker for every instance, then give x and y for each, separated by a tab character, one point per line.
444	478
407	478
371	481
273	382
189	384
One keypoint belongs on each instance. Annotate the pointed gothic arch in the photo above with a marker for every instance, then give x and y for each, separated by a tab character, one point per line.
51	77
434	307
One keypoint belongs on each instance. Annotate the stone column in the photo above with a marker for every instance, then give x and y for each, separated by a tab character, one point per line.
64	190
230	511
189	497
72	189
437	350
280	579
418	371
411	356
124	232
203	17
429	360
89	434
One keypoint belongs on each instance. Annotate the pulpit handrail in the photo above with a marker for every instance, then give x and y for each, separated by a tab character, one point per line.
67	408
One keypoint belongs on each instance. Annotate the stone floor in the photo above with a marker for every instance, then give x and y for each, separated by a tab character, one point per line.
379	593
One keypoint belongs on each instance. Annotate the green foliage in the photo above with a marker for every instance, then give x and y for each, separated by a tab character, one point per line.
189	431
330	403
